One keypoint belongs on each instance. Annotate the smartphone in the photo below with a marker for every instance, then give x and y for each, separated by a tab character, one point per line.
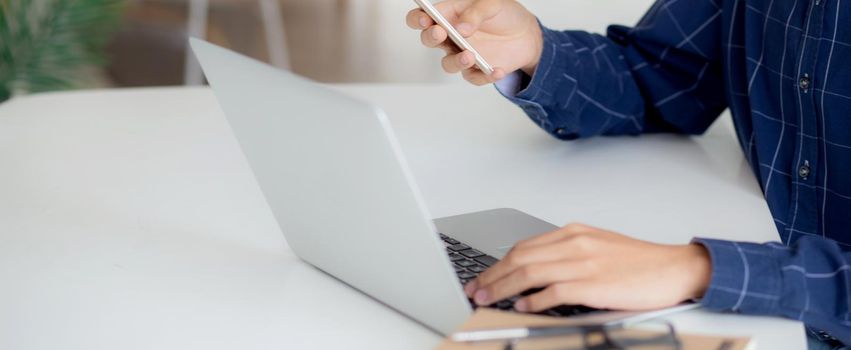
454	35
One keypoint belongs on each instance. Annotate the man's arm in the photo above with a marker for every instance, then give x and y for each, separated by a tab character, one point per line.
664	75
808	281
582	265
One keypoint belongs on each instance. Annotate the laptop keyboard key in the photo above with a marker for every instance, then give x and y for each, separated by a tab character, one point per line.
465	263
458	247
472	253
486	260
552	313
476	268
504	305
466	275
455	257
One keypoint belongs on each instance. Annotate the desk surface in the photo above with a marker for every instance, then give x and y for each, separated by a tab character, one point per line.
129	219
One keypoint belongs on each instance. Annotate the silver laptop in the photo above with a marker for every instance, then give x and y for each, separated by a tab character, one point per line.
338	185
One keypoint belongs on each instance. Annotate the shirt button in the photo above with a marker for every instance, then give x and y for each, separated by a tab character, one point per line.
566	135
804	171
804	83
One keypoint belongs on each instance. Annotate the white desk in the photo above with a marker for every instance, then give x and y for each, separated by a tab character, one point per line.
129	219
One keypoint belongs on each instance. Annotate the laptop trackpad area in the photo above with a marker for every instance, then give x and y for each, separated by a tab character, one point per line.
493	232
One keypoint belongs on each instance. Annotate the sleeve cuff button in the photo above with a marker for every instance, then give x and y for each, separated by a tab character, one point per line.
565	135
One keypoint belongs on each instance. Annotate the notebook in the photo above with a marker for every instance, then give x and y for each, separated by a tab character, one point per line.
485	318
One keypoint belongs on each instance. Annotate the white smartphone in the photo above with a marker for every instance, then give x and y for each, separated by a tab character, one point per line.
454	35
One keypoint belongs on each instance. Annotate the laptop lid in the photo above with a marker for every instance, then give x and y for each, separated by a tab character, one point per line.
335	179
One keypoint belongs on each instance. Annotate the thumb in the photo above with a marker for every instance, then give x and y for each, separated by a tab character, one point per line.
477	13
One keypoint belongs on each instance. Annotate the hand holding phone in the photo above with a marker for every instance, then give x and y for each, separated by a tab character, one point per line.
456	37
507	37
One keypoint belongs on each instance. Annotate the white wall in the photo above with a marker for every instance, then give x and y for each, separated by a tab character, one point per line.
382	48
588	15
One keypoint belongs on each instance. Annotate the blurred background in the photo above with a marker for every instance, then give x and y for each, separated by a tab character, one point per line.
340	41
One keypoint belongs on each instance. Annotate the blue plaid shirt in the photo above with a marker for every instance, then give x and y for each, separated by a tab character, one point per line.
783	67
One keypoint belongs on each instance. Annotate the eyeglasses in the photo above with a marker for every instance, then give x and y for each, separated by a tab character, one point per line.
598	337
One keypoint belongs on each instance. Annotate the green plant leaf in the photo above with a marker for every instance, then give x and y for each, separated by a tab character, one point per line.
47	44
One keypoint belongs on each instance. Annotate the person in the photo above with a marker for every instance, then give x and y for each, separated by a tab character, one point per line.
781	67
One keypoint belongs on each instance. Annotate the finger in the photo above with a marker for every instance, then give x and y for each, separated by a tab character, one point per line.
546	239
520	258
567	293
529	277
470	288
434	36
479	78
418	19
458	62
472	17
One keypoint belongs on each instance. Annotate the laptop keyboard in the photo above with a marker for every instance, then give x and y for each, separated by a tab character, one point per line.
469	263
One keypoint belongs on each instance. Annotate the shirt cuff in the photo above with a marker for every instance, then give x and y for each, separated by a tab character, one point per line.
745	278
511	85
531	94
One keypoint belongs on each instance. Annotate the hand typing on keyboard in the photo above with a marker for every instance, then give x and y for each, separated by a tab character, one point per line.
469	263
582	265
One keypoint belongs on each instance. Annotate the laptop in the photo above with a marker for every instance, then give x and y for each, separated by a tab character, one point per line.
337	183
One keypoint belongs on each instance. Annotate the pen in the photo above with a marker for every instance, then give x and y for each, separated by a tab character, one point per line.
519	333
